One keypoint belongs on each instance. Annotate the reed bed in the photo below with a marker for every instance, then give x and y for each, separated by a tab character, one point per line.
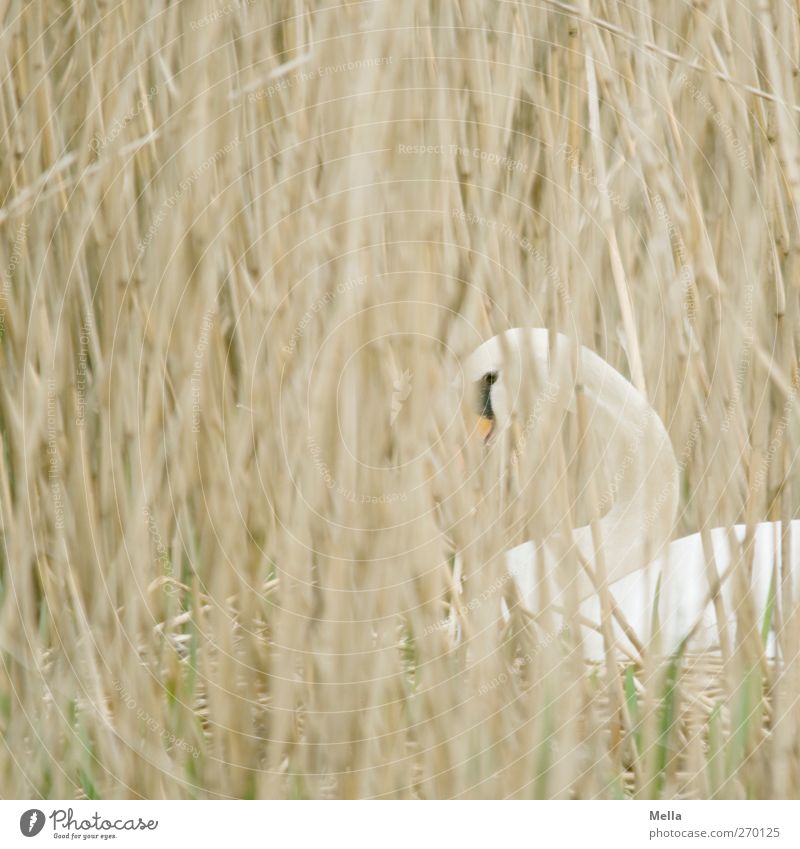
244	247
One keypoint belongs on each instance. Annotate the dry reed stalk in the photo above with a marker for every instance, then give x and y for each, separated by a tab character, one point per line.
233	301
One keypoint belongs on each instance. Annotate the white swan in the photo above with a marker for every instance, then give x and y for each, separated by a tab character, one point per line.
635	532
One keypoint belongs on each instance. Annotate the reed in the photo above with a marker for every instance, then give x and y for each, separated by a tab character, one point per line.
244	245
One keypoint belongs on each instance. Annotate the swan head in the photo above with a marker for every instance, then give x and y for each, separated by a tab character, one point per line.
497	372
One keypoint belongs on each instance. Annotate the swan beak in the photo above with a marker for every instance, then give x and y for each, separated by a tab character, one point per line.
485	427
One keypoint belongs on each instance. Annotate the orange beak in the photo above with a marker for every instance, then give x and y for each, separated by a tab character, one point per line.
485	427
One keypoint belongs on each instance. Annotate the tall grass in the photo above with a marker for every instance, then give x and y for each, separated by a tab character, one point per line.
243	248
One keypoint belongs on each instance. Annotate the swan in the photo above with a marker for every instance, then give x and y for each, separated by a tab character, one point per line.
660	589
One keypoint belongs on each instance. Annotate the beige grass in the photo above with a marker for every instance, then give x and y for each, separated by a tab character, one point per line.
230	297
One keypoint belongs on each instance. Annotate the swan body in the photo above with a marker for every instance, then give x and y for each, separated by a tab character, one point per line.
678	581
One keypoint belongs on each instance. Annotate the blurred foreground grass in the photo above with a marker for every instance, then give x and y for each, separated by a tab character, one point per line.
242	245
